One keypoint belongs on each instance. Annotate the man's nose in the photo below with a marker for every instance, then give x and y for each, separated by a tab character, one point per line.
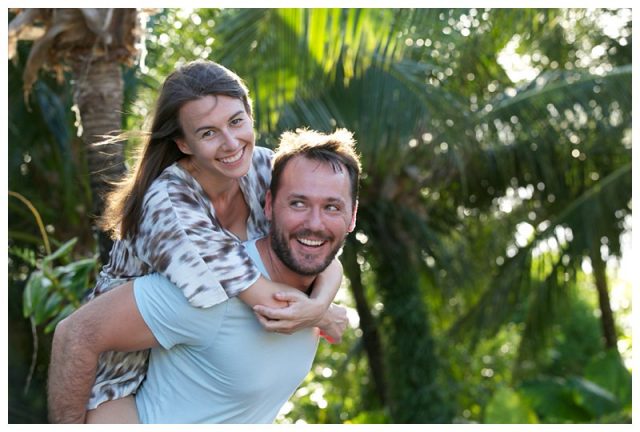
314	220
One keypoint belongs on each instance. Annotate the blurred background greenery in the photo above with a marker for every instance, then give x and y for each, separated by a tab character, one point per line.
483	280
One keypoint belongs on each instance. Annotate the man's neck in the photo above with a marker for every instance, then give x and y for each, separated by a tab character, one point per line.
278	271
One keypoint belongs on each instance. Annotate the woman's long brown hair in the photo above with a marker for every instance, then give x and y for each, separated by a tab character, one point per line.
192	81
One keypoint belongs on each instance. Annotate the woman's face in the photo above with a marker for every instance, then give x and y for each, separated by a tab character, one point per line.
218	136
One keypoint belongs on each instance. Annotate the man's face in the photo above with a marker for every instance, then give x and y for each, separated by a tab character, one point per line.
311	215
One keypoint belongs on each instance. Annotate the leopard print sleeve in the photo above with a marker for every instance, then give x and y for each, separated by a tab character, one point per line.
254	187
181	238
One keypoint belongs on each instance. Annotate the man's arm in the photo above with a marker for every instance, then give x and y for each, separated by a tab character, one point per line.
109	322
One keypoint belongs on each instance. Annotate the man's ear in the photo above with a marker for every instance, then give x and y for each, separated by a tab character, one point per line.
183	146
268	205
352	225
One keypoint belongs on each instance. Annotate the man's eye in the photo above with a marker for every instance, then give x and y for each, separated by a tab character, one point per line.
297	204
332	207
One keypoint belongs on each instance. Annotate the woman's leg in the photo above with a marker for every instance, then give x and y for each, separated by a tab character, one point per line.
116	411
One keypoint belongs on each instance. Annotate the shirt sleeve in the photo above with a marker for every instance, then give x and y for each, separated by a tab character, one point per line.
170	317
255	185
181	238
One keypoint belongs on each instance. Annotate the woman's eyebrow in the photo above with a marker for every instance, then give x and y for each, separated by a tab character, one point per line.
213	127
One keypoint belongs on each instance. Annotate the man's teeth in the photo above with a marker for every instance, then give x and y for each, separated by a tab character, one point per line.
233	159
309	242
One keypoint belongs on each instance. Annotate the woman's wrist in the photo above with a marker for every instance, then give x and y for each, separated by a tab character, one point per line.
317	309
327	284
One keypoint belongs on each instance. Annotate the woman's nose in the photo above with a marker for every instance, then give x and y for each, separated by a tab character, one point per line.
230	140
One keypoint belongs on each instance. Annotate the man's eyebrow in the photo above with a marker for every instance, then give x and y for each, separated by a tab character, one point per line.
336	199
329	199
213	127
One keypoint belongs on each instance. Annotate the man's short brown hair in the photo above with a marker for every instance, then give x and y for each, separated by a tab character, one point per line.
337	149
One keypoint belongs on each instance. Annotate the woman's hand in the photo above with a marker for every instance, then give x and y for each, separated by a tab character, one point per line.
298	315
283	309
300	312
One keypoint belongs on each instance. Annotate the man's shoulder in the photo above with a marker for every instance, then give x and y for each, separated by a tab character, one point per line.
169	315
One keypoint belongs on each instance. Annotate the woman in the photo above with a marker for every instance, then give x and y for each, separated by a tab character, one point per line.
196	193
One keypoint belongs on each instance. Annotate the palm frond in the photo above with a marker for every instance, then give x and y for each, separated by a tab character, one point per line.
529	275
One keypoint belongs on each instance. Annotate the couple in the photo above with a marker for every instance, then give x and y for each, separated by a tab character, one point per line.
203	219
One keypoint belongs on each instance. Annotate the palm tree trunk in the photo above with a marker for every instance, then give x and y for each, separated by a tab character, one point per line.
370	335
411	359
606	314
98	95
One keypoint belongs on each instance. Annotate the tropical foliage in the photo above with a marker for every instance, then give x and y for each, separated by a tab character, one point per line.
485	197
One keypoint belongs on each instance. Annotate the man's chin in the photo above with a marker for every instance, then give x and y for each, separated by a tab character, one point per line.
310	269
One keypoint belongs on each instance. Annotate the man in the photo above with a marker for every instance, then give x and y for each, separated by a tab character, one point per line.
218	365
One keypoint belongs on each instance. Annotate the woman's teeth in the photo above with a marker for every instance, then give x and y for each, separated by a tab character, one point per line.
233	159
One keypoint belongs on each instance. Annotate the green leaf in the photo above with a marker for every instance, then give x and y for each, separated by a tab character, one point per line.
608	371
35	296
507	407
34	292
74	277
52	305
553	401
65	312
592	397
62	250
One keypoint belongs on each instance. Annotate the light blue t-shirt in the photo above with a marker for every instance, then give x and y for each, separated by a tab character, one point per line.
215	365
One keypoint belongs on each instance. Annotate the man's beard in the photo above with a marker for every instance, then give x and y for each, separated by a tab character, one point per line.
280	245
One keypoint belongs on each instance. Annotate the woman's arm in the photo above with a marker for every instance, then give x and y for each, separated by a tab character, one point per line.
331	325
284	309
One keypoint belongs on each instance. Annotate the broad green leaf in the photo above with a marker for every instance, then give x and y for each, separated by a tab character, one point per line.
592	397
34	292
39	293
552	399
508	407
608	371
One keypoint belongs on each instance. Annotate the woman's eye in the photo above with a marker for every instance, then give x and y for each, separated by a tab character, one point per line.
208	134
236	121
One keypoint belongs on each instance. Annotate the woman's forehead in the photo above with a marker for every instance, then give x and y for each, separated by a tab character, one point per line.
210	108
